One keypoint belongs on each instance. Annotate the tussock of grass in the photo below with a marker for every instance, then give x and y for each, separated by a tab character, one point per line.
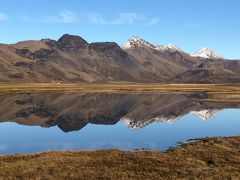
217	158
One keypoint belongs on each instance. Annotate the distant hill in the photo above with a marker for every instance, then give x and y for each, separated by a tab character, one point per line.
72	59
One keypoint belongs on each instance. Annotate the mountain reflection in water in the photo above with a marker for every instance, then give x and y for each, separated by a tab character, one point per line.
72	111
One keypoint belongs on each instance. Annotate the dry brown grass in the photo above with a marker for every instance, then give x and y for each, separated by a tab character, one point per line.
123	87
215	158
218	93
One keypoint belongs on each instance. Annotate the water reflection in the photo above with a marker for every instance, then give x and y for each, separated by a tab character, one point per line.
72	111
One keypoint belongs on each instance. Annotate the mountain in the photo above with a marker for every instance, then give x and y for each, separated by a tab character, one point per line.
73	59
165	62
70	59
135	42
207	54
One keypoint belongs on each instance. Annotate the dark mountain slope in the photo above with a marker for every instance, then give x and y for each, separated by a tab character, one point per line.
68	59
224	71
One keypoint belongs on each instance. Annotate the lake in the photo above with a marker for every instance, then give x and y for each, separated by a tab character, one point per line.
45	121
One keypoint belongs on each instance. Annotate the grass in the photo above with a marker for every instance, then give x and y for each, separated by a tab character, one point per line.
218	93
215	158
122	87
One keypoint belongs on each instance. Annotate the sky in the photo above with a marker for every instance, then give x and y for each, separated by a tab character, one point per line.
190	24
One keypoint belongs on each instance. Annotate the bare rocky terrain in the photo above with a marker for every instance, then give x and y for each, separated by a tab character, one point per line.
72	59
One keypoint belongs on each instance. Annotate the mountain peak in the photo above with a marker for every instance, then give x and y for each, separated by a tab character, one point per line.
207	54
173	47
137	41
71	42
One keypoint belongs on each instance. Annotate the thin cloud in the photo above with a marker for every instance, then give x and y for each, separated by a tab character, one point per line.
3	17
128	18
63	17
68	17
93	18
152	21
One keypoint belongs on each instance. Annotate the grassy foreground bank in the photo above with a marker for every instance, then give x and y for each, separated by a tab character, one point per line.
217	158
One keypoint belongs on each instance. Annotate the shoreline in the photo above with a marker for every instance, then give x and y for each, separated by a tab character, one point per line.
120	87
217	93
207	157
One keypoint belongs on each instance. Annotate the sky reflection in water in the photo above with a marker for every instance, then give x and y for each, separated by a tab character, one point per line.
106	132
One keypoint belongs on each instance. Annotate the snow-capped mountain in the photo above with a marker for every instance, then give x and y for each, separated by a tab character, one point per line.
137	61
135	41
172	47
138	42
207	54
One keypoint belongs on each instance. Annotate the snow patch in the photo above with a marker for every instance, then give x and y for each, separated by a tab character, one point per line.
138	42
207	53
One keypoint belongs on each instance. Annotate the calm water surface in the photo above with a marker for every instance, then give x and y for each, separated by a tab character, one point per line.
36	122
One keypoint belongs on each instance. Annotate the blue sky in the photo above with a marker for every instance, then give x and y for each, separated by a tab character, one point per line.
190	24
